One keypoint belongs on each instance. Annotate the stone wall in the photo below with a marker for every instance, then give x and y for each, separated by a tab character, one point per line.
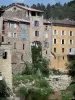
59	82
5	65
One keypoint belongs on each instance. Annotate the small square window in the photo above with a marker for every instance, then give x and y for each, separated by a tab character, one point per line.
14	8
36	33
36	23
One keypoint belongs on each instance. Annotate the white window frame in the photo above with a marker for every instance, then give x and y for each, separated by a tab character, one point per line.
56	32
64	33
56	41
69	33
70	43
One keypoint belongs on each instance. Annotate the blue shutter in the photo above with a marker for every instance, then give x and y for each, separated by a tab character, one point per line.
24	27
37	33
24	36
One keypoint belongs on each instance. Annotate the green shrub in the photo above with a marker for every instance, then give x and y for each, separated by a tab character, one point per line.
4	90
39	89
35	93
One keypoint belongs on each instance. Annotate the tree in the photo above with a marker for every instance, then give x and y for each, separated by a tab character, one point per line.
39	63
71	72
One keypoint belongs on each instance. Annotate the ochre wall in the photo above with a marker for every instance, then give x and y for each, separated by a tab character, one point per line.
59	62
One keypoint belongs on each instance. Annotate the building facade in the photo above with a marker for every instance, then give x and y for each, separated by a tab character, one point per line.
5	60
63	40
24	27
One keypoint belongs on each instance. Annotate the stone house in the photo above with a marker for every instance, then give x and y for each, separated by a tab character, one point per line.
22	28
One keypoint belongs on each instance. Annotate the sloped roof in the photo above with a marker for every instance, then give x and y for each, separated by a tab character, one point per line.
17	20
60	22
25	7
65	22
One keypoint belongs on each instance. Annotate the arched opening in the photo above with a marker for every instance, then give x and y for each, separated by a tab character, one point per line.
36	43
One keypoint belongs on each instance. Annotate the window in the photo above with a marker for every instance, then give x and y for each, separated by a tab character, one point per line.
9	25
70	41
15	25
36	23
24	36
46	35
63	57
22	57
47	28
62	50
36	33
62	32
46	52
70	50
5	55
23	46
70	33
14	8
54	49
15	35
24	27
54	41
63	41
2	38
14	45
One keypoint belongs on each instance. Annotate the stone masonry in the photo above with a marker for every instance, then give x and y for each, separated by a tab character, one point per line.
5	64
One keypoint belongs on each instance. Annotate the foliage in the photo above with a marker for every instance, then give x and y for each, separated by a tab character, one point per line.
71	72
39	63
71	67
56	72
40	89
28	69
32	87
4	90
58	11
3	99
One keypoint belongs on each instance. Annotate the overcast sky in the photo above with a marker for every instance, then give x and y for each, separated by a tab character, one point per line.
30	2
